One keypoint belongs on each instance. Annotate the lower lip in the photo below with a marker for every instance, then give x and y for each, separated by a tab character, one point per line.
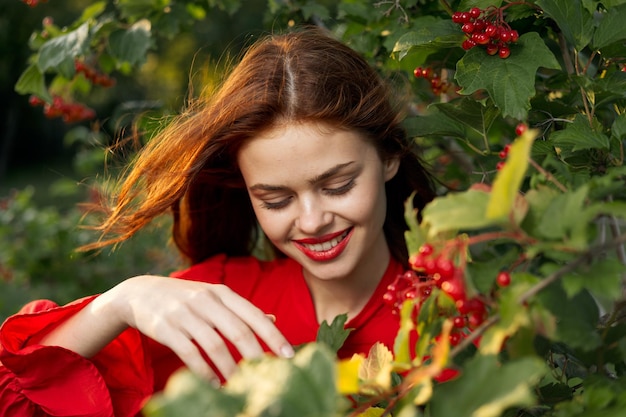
327	255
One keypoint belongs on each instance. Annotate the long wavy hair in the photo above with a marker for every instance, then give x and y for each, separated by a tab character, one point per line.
190	168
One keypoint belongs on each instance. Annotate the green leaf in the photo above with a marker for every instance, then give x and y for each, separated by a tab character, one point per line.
457	211
618	129
303	386
603	278
575	316
563	215
62	50
32	82
93	11
432	34
415	236
579	135
487	387
436	124
187	394
575	22
510	82
469	112
507	184
131	45
482	4
611	27
334	335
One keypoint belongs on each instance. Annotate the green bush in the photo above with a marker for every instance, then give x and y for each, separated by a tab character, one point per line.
526	244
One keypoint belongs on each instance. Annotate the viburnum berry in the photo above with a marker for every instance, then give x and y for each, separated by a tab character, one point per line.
504	52
500	165
459	322
503	279
520	129
486	28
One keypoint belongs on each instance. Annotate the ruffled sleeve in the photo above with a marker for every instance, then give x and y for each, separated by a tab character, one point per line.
37	380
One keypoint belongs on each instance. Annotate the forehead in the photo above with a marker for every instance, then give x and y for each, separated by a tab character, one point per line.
302	149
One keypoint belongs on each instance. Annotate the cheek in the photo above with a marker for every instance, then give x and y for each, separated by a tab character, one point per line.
274	225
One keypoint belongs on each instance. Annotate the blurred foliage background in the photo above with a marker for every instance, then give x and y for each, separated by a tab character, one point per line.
47	167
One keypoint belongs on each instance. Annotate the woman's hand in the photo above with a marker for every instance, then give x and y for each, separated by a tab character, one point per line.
175	313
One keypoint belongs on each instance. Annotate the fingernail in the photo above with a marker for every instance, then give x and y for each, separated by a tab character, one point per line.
271	317
287	351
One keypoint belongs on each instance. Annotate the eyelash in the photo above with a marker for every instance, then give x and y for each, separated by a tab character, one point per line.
332	192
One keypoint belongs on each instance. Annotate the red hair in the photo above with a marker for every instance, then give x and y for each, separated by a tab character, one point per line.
190	166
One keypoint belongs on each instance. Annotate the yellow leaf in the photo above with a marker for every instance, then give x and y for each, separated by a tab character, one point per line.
372	412
509	179
348	374
376	368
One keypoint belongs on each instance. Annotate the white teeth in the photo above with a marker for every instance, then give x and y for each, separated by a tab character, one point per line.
321	247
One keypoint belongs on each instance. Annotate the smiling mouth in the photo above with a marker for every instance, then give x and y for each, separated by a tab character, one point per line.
324	246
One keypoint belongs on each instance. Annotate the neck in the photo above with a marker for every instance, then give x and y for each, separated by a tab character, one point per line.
350	294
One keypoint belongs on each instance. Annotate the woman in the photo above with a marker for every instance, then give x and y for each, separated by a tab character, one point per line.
301	140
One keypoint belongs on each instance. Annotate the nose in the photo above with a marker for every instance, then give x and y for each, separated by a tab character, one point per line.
313	217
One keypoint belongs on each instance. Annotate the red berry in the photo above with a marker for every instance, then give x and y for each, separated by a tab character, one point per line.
417	72
427	72
475	12
459	322
465	17
480	38
455	338
475	319
468	44
491	30
468	27
35	101
504	52
503	279
454	288
514	36
457	17
426	249
520	129
492	48
445	268
500	165
505	35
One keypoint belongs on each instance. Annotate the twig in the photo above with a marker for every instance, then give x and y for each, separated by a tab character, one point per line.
548	175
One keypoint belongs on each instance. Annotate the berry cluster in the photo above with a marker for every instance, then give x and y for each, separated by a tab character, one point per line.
437	84
92	75
486	28
33	3
69	112
519	131
435	270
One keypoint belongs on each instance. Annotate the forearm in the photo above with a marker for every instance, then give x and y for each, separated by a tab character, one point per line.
89	330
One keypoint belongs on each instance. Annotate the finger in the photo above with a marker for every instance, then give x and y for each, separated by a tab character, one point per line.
188	352
211	343
232	327
258	323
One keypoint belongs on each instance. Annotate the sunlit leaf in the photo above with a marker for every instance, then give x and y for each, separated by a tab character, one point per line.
507	184
375	371
457	211
63	49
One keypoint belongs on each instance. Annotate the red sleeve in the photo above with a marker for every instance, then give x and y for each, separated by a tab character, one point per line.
39	381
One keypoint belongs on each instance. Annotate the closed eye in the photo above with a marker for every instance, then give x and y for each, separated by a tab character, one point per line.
271	205
340	190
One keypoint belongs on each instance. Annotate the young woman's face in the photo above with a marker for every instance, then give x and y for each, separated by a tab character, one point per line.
319	196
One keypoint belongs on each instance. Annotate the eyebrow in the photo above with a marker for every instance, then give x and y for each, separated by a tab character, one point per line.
315	180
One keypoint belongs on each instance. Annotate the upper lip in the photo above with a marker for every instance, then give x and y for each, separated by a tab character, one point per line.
321	239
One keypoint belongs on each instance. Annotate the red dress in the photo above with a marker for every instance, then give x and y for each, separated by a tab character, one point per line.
38	380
